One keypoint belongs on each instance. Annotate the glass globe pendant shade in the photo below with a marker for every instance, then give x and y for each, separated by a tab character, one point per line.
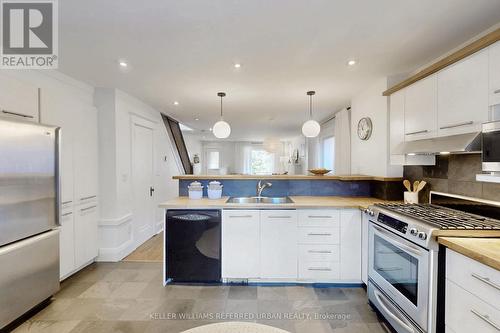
221	129
311	129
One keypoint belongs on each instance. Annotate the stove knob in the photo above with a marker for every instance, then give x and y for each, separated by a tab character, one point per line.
371	213
413	232
422	235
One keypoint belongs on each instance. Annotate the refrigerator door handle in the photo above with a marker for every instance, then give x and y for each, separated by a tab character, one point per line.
58	176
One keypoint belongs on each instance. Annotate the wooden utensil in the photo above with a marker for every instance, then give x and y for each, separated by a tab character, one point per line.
415	185
407	185
421	185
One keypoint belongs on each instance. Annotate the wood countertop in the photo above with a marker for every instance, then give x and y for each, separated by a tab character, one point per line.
287	177
298	202
484	250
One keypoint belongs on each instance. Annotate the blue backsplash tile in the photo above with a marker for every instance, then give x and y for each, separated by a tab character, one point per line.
247	187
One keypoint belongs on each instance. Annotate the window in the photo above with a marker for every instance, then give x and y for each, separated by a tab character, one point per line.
213	159
328	153
261	162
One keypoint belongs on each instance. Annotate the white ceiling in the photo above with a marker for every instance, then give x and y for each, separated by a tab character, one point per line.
184	51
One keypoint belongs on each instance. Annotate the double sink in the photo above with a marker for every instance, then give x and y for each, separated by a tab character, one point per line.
263	200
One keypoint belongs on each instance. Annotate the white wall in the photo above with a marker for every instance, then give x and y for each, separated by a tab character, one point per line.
116	111
371	157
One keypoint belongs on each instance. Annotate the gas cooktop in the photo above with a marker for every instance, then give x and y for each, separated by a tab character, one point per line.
442	217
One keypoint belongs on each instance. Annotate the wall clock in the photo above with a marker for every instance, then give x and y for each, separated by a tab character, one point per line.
365	128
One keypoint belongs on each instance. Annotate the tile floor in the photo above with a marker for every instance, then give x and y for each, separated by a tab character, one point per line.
129	297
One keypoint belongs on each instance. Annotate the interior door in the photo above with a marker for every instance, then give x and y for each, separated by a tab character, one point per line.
142	178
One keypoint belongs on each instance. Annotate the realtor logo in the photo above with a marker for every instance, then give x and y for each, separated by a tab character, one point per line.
29	34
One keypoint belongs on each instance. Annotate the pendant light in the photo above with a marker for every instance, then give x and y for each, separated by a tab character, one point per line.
311	128
221	129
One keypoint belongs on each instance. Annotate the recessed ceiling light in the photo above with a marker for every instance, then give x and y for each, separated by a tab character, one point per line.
351	62
196	119
237	65
123	63
176	103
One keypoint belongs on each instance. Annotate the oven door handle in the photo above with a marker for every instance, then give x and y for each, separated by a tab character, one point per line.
412	249
382	302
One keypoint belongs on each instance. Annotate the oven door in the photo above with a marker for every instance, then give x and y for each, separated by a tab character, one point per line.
401	269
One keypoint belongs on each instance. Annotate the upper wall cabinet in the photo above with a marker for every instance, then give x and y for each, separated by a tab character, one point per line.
397	133
463	95
494	85
18	99
421	109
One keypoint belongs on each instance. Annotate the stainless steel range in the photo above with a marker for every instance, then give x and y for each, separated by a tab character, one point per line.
403	253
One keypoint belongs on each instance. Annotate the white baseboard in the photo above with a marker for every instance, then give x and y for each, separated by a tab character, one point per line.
115	254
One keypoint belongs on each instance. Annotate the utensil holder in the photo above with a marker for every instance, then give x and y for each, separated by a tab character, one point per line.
411	197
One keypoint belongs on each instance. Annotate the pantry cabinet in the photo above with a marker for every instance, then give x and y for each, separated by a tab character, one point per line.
79	176
463	95
494	74
421	109
18	99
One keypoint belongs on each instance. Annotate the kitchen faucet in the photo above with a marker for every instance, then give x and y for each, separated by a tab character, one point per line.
261	187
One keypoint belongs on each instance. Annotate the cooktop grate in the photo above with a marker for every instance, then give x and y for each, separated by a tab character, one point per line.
444	218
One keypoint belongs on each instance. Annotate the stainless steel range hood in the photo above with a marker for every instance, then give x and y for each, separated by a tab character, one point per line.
455	144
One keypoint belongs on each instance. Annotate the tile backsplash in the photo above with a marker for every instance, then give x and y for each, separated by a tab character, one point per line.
454	174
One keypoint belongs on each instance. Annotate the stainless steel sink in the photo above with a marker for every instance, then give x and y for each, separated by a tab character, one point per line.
264	200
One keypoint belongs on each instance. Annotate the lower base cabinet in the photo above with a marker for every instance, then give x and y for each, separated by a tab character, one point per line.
278	244
472	295
78	237
292	245
241	244
86	235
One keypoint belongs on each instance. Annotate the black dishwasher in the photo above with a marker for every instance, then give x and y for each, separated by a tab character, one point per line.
193	245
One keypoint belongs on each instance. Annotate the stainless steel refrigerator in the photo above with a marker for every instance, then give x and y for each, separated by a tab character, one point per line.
29	215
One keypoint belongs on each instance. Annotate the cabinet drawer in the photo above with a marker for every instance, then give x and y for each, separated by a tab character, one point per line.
319	236
319	270
319	218
467	313
319	253
476	278
241	215
279	215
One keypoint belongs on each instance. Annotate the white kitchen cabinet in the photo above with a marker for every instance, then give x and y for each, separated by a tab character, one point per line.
67	244
79	175
18	99
278	250
397	133
365	220
350	245
86	155
86	237
58	111
420	121
240	244
494	74
472	295
467	313
463	95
